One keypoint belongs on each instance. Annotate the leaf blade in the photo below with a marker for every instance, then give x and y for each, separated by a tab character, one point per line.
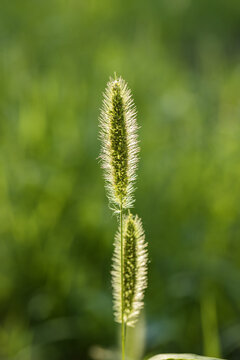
181	357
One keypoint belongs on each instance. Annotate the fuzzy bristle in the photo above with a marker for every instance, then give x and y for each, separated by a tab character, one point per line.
119	152
134	271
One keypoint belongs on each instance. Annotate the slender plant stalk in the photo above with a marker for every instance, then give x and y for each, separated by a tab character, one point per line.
122	295
119	158
209	321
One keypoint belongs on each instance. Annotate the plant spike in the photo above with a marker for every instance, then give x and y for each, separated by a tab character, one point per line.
119	152
119	158
134	271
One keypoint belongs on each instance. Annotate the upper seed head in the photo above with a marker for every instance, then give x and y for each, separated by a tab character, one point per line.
119	152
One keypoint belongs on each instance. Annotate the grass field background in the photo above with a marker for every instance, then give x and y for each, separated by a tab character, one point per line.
181	59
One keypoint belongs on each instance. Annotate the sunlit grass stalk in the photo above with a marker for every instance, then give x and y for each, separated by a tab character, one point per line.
119	158
123	327
209	319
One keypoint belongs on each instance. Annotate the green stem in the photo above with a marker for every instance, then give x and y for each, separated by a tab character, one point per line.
122	296
210	322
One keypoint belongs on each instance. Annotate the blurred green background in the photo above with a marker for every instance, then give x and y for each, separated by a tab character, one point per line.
181	59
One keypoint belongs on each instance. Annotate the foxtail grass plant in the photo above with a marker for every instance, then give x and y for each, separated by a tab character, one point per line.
119	159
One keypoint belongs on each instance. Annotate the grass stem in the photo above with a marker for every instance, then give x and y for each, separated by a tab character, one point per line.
122	295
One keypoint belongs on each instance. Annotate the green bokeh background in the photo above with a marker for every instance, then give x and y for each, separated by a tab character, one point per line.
181	59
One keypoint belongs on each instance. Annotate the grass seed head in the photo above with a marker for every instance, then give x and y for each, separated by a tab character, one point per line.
119	151
134	270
